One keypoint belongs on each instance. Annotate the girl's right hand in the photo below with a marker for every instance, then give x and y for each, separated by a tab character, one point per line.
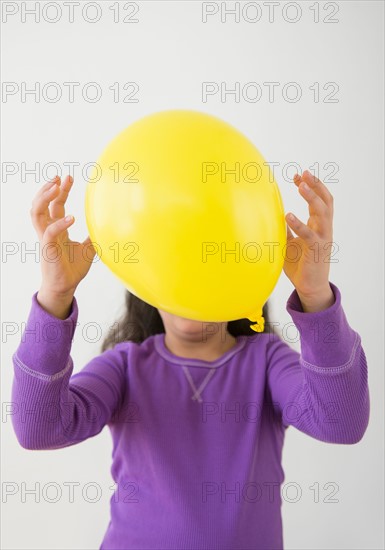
64	263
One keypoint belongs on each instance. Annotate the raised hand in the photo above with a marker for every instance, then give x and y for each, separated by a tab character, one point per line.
64	263
307	256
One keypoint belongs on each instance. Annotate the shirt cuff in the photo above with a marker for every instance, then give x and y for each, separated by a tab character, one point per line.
327	340
46	341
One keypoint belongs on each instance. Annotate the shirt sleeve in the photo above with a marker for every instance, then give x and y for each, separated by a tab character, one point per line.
323	390
51	407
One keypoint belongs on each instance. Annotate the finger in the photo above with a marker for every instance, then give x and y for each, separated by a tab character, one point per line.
317	206
317	186
47	185
297	179
39	211
321	216
289	234
57	210
301	229
57	227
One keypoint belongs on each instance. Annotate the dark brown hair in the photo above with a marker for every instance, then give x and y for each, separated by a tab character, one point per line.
141	320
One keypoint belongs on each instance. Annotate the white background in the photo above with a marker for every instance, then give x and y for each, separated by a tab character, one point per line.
169	53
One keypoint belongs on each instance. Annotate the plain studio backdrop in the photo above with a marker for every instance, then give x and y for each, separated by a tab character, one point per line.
304	81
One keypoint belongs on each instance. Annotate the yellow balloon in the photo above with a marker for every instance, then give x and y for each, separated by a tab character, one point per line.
185	211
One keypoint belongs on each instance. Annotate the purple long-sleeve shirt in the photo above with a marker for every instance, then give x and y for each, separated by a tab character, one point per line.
196	444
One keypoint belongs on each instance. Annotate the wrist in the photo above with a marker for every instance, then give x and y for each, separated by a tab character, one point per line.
317	301
57	304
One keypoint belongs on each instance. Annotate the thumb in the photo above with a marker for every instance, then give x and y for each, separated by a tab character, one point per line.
88	243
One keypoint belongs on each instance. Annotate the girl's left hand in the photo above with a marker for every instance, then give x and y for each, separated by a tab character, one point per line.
307	256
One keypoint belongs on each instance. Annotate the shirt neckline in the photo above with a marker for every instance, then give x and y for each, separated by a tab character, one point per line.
160	346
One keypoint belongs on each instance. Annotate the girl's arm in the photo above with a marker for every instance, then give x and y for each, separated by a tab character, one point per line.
322	391
51	408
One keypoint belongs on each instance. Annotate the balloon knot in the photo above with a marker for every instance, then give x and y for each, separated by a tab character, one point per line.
259	324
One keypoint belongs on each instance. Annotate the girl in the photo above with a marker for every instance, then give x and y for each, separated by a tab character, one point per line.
197	411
